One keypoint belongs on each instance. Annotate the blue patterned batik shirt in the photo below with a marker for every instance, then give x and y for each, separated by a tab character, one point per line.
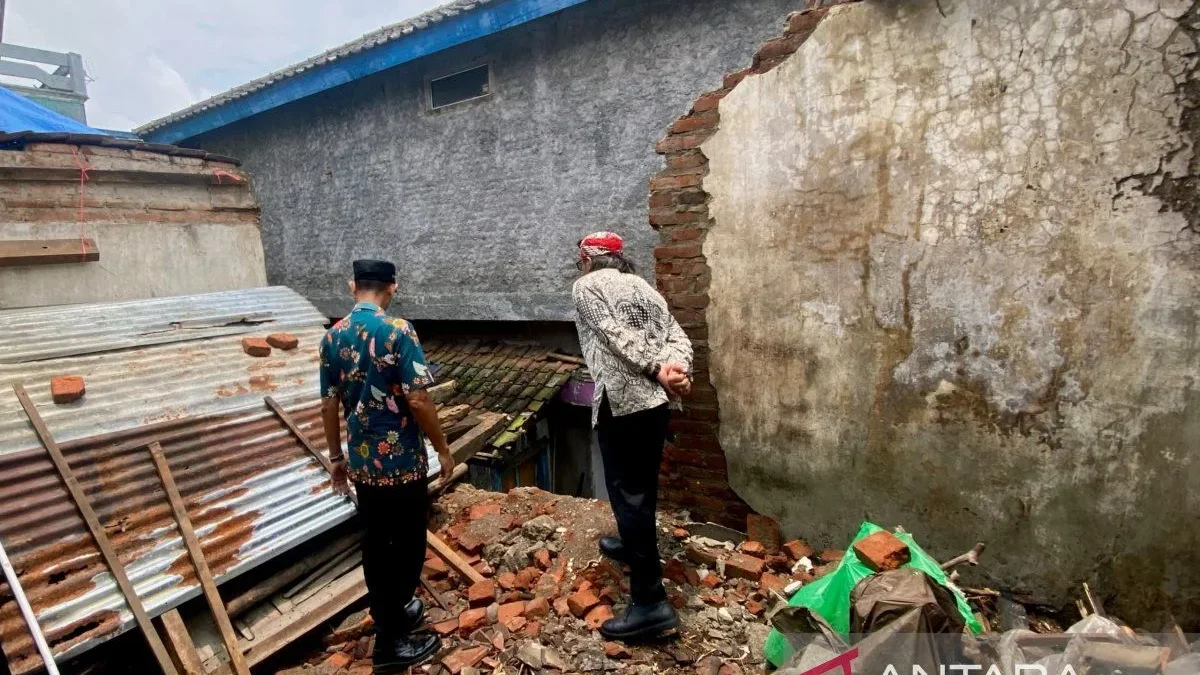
369	361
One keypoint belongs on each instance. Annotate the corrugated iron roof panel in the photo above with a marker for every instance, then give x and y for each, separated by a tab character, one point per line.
170	370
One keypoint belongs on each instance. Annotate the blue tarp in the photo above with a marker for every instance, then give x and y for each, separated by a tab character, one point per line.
18	113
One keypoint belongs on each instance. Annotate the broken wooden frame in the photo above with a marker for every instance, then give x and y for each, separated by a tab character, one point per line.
101	538
203	574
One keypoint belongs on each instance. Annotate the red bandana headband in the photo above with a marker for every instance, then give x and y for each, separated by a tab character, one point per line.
600	243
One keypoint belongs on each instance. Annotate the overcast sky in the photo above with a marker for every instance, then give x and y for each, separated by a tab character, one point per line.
148	58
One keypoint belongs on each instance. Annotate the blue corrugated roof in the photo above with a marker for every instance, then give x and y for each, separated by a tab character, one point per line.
18	113
447	26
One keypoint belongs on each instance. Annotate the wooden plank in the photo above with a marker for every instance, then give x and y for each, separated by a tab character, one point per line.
277	582
442	392
304	617
93	522
14	252
180	644
453	414
203	573
476	439
452	558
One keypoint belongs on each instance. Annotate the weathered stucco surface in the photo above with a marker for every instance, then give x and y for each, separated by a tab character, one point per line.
481	205
955	288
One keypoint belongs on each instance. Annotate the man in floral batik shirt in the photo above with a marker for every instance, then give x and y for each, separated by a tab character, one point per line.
373	373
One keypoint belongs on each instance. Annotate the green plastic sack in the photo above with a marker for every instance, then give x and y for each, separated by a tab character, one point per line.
829	596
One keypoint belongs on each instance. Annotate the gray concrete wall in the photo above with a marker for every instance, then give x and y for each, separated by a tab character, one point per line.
481	205
955	287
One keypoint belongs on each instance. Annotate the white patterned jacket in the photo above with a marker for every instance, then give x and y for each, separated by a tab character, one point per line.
625	330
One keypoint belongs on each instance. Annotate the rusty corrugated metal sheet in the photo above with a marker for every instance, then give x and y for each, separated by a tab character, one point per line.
251	488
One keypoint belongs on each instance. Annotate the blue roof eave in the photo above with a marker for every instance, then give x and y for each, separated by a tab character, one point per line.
458	30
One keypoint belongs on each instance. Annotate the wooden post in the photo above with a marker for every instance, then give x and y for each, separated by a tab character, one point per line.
179	641
203	573
97	530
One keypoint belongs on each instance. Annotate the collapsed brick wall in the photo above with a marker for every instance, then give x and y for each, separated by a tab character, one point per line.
695	473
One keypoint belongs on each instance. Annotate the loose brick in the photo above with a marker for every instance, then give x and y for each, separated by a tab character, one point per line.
284	341
507	580
831	555
537	607
741	566
598	615
710	581
677	600
337	661
764	530
532	629
480	510
510	611
616	650
773	582
675	571
472	620
435	568
256	347
882	551
581	602
542	558
515	624
470	543
527	578
463	657
797	549
702	555
482	593
445	627
562	607
755	607
67	388
753	548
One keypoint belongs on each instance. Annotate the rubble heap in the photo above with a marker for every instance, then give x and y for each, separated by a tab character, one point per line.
547	590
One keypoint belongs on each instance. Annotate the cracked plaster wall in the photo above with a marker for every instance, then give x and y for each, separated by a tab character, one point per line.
954	288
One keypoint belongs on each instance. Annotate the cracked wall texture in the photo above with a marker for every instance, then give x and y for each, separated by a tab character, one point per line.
954	288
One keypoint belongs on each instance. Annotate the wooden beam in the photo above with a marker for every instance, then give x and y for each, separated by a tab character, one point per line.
203	573
277	582
14	252
180	644
290	423
474	440
97	530
304	617
440	393
452	558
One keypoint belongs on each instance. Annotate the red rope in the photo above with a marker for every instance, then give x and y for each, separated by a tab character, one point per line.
219	174
83	177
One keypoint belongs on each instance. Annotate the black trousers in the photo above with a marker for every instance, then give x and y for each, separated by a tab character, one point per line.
631	447
394	520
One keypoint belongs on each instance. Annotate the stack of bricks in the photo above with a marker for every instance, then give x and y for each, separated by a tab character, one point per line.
695	475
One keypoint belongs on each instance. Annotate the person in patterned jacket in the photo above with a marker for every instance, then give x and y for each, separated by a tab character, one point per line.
373	373
641	361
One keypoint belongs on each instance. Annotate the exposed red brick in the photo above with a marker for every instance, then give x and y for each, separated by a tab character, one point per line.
256	346
710	581
804	21
507	580
664	217
716	598
882	551
686	160
562	607
472	620
463	657
532	629
687	234
679	142
780	47
755	607
779	562
709	101
680	533
284	341
764	529
659	200
675	571
446	627
740	566
688	300
773	582
677	600
678	251
470	543
677	181
701	555
598	615
527	578
542	558
699	120
734	79
482	509
482	593
692	577
581	602
515	624
537	607
510	611
66	388
753	548
797	549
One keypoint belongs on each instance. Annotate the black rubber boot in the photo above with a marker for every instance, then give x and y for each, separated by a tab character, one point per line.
641	622
614	548
395	654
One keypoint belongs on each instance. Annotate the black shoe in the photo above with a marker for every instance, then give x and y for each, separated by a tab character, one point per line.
396	654
641	622
414	614
614	548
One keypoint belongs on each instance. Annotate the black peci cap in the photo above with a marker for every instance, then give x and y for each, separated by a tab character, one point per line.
374	270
